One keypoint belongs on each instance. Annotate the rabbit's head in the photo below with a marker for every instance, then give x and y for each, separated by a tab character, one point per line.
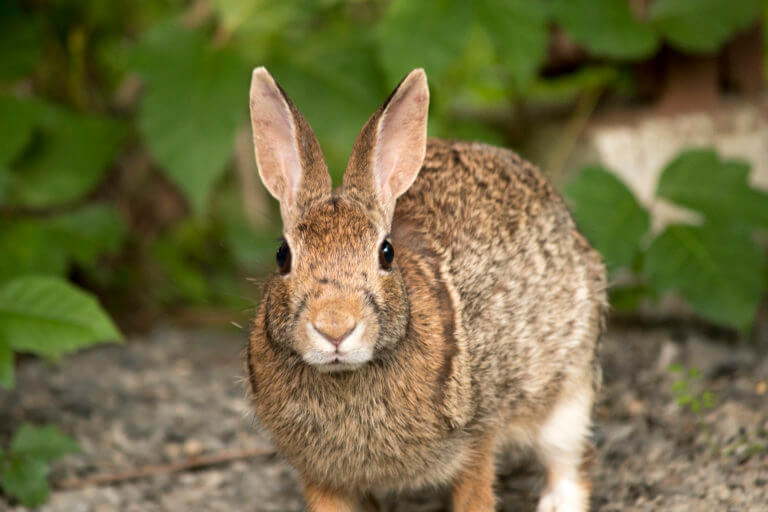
337	299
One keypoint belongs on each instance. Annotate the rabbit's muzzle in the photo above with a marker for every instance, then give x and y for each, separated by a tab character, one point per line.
336	335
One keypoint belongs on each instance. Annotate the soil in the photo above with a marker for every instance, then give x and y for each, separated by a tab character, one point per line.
173	405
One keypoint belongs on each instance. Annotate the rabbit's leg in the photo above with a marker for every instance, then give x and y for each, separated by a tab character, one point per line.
473	487
561	443
322	500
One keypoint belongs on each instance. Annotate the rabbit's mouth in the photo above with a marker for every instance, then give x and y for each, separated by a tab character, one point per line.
349	353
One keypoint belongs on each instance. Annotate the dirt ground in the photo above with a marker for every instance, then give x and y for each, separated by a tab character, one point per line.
175	400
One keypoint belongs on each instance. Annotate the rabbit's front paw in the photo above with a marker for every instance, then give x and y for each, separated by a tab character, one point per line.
566	495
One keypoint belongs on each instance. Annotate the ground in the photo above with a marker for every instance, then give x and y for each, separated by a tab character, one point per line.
173	406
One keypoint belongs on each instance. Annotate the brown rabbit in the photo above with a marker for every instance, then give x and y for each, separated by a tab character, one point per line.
437	305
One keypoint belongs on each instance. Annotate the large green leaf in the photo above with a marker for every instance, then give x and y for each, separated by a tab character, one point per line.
74	153
24	469
45	443
716	270
195	100
702	26
699	180
518	29
50	317
26	478
418	34
608	215
6	366
605	27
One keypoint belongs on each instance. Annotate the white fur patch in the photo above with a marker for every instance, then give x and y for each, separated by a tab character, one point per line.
560	444
350	354
566	495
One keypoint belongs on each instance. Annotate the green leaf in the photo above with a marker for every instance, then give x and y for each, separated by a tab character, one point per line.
6	368
50	317
702	26
608	215
605	27
45	443
699	180
26	247
716	270
25	478
518	30
46	245
18	118
263	17
88	232
21	41
195	100
675	368
73	156
415	34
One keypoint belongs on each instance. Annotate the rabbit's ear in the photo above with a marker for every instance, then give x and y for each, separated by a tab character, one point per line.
390	149
289	158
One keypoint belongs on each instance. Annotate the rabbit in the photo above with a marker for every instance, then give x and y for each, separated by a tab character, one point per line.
436	306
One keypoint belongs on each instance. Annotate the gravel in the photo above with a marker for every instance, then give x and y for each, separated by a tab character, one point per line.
179	394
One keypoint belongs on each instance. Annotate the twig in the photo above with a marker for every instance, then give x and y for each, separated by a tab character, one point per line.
574	128
201	461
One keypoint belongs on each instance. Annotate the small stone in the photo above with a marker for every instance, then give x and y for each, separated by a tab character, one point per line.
668	354
193	447
722	492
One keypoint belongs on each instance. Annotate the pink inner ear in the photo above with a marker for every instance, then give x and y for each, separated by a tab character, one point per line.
401	138
274	138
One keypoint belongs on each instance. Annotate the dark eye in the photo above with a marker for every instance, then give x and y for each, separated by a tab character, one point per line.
283	258
386	255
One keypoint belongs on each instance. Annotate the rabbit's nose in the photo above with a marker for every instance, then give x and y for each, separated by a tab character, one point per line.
334	325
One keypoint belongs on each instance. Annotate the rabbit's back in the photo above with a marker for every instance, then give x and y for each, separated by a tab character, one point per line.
527	289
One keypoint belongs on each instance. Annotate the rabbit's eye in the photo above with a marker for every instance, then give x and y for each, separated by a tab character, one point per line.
386	255
283	258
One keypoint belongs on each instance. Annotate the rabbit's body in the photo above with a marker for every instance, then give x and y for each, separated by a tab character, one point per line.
488	334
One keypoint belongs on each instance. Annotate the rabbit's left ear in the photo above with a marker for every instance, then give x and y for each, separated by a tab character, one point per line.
390	149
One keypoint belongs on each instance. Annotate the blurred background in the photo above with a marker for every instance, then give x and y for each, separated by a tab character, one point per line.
129	194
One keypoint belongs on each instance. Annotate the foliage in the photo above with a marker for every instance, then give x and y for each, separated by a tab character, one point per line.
700	26
715	265
609	214
85	88
605	27
192	106
24	466
684	393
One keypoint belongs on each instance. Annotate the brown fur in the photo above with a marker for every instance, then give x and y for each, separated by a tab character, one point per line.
490	315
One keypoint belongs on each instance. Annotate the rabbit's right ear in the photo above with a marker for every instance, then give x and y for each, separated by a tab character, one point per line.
289	158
